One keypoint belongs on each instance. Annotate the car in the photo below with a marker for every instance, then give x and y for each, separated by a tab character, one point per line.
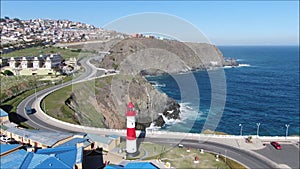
28	110
276	145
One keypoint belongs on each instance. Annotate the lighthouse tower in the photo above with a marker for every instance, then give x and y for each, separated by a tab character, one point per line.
131	135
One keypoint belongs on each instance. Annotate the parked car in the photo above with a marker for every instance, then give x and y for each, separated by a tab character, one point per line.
276	145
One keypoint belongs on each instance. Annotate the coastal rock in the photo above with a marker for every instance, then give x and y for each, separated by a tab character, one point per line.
186	56
135	58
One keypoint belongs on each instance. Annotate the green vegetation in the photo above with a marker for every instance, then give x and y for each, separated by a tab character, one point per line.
180	158
15	101
54	105
11	105
76	104
213	132
12	86
8	73
42	50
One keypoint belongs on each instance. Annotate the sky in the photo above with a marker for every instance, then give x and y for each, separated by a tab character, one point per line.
222	22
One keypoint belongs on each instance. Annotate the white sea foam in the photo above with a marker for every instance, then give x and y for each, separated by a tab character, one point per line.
188	113
153	127
244	65
240	65
156	84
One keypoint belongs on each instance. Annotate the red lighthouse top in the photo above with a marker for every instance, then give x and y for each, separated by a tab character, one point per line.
130	110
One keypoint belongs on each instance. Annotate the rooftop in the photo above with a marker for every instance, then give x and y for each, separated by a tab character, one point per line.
4	148
9	161
99	138
114	136
60	157
75	141
3	113
43	137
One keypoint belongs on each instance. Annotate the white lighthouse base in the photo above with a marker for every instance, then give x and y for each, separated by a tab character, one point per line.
131	146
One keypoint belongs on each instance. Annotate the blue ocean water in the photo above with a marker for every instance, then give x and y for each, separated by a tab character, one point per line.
265	90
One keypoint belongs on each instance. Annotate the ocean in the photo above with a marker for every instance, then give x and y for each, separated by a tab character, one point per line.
264	89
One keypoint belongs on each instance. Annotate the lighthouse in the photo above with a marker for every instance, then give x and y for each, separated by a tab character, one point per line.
131	135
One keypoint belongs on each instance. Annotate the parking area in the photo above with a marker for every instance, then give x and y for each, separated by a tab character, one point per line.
289	154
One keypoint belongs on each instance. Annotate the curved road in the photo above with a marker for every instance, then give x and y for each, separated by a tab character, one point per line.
33	120
247	158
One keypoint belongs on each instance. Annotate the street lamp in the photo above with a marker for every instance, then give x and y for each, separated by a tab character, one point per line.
287	130
257	131
225	155
241	132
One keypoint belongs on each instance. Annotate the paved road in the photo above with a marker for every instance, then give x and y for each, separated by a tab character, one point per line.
34	120
288	155
248	158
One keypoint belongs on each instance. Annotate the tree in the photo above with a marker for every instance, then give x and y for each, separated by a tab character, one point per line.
8	73
17	19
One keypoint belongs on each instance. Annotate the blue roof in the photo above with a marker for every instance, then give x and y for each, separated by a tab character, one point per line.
74	142
52	162
3	113
114	167
9	161
60	157
7	147
140	165
146	165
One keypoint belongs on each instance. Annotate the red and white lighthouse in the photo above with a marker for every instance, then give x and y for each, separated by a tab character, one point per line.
131	135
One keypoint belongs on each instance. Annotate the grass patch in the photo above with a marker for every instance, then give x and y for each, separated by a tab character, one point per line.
179	157
11	106
15	101
79	97
43	50
54	105
213	132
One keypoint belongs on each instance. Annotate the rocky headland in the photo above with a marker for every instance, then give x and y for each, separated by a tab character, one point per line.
136	57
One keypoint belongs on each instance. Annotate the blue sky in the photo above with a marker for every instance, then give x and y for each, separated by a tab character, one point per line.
223	22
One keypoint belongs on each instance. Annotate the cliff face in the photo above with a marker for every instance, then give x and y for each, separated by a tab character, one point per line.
158	56
134	58
103	103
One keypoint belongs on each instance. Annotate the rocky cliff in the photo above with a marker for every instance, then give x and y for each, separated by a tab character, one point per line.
135	57
158	56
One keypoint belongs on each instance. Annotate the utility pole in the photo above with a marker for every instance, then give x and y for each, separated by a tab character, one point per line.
257	131
287	130
241	131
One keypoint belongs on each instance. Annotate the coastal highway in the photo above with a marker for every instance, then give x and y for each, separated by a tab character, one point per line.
41	121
